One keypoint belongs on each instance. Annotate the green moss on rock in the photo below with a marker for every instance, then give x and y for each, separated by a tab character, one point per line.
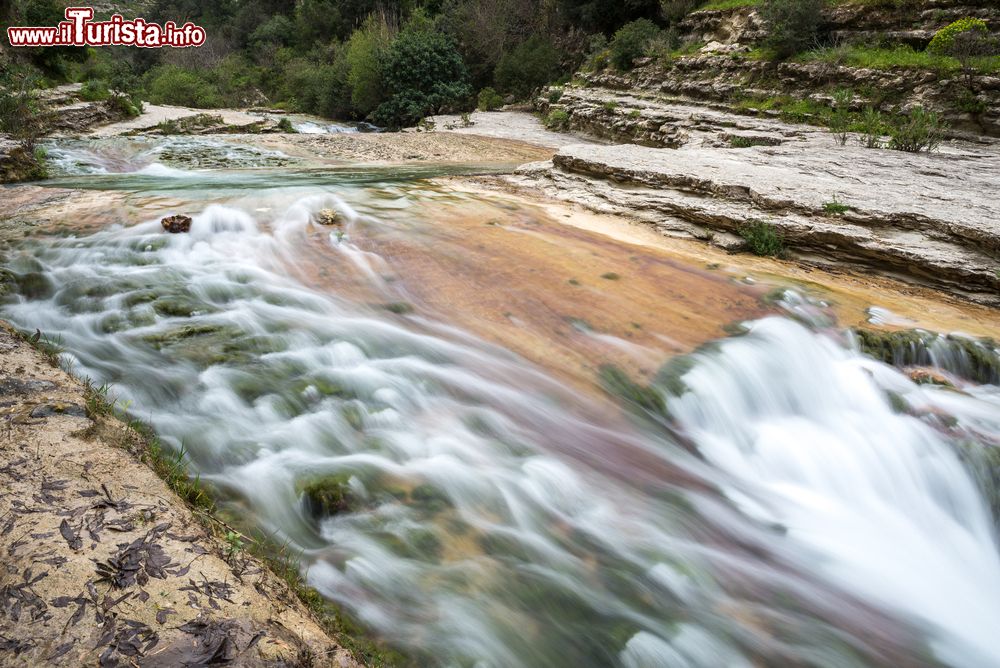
327	495
637	397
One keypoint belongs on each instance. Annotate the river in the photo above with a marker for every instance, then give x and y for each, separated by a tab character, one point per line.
458	361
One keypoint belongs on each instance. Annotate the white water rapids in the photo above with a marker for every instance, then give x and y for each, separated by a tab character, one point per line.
831	516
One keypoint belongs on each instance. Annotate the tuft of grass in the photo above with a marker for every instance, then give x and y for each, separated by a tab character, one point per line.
610	276
763	238
835	208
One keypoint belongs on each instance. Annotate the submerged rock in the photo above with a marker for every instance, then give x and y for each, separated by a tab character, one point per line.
176	224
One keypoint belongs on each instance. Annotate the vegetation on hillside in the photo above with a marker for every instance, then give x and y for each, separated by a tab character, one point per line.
393	63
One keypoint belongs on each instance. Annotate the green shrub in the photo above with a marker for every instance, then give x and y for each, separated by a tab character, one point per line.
94	90
840	117
948	39
489	100
630	42
427	75
674	11
555	94
762	238
872	127
19	107
170	84
791	25
527	67
317	88
125	105
922	130
558	120
285	125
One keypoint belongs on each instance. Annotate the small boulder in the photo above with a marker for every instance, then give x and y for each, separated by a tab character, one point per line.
176	224
327	217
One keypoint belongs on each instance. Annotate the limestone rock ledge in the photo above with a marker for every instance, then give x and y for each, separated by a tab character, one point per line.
932	219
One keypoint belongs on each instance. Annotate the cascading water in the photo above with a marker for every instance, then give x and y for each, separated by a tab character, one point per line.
498	518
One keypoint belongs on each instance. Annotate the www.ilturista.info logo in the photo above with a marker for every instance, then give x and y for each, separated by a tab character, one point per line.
79	30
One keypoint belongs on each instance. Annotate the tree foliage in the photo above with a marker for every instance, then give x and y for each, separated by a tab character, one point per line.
426	75
527	67
792	25
630	42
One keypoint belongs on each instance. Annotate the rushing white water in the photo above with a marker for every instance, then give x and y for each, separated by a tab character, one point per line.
498	519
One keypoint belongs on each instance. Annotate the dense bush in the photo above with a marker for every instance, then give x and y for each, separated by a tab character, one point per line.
427	76
94	90
674	11
489	100
791	25
630	42
170	84
528	67
19	108
951	37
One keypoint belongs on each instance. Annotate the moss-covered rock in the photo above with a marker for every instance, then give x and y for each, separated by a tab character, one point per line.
640	398
901	348
972	359
327	495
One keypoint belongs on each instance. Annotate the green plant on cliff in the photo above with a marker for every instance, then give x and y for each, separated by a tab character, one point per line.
959	35
762	238
792	25
558	120
630	42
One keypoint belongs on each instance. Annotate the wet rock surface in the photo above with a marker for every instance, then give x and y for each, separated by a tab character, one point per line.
177	224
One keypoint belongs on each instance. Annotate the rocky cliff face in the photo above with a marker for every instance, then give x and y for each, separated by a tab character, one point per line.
701	152
726	70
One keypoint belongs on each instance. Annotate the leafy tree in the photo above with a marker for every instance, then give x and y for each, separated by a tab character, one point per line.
630	42
673	11
366	51
607	15
527	67
19	109
792	25
426	74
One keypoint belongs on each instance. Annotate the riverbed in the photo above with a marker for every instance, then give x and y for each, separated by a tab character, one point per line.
563	439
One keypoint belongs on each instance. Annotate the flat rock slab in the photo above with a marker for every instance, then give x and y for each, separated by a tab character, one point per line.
103	564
